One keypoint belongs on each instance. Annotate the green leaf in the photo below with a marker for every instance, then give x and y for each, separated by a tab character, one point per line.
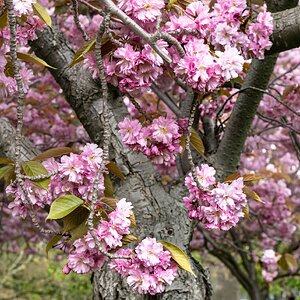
282	263
64	205
42	13
232	177
246	177
75	218
251	194
196	142
30	58
109	203
291	261
7	173
109	189
6	161
55	152
251	177
85	48
246	212
114	169
35	168
128	239
53	241
179	256
78	232
4	19
9	69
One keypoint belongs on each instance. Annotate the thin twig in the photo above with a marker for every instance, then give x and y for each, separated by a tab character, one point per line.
18	78
274	121
76	19
169	102
188	145
106	142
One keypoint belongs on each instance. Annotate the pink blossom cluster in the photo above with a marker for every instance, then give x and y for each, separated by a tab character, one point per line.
141	10
89	25
85	256
149	270
216	43
284	89
159	141
37	196
46	125
216	205
269	264
8	85
275	210
205	71
133	68
75	173
23	7
26	31
227	23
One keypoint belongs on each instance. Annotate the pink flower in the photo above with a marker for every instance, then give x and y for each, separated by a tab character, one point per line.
206	176
124	208
269	256
80	263
224	34
164	130
92	154
23	7
130	131
147	11
149	251
140	281
122	266
149	54
71	166
127	58
109	234
227	196
231	62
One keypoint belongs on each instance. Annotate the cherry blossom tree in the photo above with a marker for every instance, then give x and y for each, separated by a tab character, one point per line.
143	129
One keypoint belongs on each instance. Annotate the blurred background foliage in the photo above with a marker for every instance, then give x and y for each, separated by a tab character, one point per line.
33	276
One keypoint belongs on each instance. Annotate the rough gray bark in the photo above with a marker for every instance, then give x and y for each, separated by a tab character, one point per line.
280	5
7	142
286	33
159	210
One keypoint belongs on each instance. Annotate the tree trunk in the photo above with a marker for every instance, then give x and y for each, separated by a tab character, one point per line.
159	210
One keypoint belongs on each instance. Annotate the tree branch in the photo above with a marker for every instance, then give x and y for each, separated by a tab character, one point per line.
7	142
286	30
239	124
